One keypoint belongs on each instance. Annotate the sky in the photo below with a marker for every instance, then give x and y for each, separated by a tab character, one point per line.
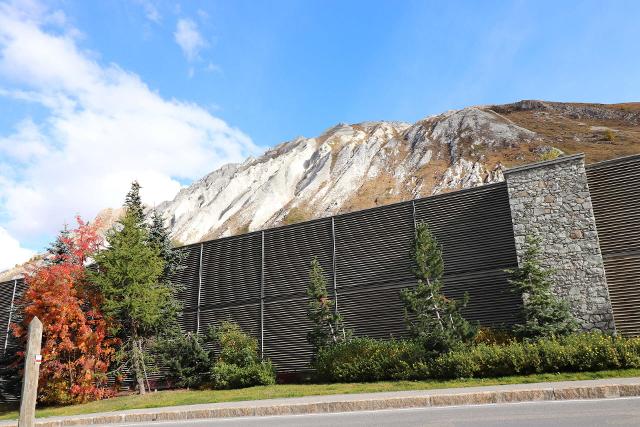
96	94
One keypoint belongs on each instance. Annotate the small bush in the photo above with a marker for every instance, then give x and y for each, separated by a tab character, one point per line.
295	215
238	364
610	135
184	358
493	336
366	359
226	375
628	352
236	347
551	154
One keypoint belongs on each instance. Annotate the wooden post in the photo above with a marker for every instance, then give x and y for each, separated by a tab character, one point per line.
31	373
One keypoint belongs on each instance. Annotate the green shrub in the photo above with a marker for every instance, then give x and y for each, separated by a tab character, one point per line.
455	364
236	347
184	359
552	154
574	353
493	336
628	352
238	364
365	359
226	375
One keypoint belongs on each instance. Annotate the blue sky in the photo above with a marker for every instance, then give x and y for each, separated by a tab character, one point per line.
289	68
94	94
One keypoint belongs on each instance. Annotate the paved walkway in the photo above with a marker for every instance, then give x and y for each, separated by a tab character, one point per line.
564	390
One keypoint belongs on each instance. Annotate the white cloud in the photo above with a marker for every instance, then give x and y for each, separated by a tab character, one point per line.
189	39
150	11
11	253
213	68
103	128
26	144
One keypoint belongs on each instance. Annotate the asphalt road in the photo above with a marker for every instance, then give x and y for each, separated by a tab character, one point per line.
577	413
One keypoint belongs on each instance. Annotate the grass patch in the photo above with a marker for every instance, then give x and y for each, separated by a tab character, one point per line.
191	397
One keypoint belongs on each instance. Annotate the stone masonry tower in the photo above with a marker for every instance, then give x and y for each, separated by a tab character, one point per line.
551	200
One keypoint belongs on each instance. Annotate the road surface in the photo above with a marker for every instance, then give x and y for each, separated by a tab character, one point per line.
572	413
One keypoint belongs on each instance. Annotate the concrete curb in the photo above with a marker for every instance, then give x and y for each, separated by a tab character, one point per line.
417	401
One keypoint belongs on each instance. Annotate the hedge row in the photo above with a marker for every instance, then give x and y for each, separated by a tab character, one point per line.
364	359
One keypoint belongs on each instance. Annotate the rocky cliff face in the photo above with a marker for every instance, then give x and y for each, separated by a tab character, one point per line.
356	166
347	167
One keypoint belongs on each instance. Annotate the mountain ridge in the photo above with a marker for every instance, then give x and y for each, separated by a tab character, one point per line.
355	166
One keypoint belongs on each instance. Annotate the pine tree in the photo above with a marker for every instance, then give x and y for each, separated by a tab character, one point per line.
544	314
434	319
136	296
327	323
159	238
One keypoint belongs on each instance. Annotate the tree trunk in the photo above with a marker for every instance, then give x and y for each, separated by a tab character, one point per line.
137	367
144	367
435	305
333	334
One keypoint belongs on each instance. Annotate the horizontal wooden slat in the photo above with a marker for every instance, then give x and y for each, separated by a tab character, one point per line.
615	195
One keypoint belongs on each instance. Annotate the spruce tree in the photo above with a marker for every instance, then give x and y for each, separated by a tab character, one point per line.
327	326
137	297
133	203
59	251
159	238
185	358
543	313
433	319
158	234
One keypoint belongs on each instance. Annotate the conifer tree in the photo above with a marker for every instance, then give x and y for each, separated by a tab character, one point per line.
158	234
133	203
59	250
544	314
432	318
327	323
159	238
137	297
185	358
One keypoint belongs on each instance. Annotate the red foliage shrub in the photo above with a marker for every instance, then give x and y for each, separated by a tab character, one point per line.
76	350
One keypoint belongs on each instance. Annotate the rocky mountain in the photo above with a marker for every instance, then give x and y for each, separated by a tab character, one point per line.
356	166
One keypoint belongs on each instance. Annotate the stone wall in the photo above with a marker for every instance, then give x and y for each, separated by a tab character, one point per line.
551	200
